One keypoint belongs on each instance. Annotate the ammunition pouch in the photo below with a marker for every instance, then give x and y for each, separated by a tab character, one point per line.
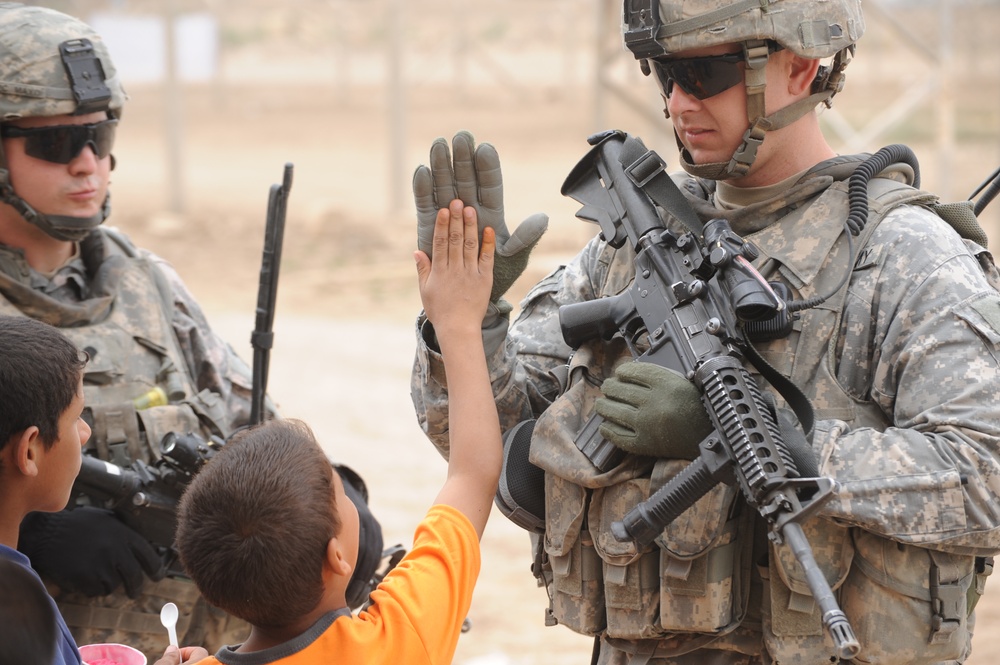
879	582
115	433
122	434
117	612
694	583
696	579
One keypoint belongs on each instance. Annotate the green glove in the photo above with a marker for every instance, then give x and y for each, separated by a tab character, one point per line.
654	411
474	178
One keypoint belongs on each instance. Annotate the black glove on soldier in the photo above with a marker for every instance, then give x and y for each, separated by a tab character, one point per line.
88	550
651	410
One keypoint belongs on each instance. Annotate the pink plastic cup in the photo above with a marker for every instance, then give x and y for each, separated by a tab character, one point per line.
111	654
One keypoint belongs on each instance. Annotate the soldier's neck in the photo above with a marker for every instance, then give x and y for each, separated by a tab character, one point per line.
43	253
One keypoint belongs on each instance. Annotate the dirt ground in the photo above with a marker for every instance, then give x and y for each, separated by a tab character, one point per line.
347	294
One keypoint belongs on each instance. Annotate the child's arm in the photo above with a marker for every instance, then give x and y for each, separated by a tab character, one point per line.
455	290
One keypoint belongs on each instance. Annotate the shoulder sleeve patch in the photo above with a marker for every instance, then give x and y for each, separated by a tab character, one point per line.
987	307
868	257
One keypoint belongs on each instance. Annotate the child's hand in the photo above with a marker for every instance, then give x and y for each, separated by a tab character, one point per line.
182	656
455	287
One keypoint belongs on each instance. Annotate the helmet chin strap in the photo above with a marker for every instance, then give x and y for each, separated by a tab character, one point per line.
741	161
756	53
60	227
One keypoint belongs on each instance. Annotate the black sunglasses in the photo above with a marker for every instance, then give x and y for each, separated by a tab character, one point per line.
699	77
61	144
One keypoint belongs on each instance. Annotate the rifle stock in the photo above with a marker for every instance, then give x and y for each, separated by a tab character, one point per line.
691	294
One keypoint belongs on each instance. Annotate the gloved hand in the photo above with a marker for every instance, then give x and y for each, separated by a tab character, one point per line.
474	177
88	550
654	411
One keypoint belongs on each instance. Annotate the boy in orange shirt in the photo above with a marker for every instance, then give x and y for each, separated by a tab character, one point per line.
267	533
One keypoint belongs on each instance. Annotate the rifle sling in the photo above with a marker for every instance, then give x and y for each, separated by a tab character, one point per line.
648	172
792	394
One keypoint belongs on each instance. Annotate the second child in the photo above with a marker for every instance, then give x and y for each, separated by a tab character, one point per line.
268	534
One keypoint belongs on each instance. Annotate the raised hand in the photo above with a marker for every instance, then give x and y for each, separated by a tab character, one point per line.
472	175
455	286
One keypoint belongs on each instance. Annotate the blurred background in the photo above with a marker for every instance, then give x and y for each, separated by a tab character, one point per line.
224	93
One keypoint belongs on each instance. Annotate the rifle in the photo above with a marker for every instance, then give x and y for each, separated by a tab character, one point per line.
145	496
262	338
692	299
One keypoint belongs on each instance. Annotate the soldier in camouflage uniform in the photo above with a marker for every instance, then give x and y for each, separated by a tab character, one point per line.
60	99
900	364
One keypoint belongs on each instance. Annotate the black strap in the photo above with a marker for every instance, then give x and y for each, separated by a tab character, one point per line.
648	171
792	394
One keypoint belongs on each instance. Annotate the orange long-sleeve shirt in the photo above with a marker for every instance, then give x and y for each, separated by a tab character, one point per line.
416	613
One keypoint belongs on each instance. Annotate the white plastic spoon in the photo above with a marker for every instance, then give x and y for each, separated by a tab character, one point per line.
168	617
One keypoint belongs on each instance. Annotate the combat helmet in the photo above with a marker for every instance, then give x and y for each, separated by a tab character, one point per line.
53	64
815	30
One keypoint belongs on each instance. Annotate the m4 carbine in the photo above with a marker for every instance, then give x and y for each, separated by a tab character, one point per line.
692	299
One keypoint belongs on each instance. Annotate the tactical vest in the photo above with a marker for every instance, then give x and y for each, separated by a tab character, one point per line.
133	350
693	589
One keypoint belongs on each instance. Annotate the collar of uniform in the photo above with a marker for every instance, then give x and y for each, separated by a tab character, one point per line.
14	265
730	198
802	240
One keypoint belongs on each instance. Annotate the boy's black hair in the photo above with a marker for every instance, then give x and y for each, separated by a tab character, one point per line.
40	371
253	525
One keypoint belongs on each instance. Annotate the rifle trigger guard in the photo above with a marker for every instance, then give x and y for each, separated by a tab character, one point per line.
644	169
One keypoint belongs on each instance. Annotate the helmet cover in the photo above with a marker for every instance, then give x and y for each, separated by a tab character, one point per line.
813	29
34	78
810	28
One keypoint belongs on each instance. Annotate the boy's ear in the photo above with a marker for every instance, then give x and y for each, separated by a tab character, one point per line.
336	560
27	449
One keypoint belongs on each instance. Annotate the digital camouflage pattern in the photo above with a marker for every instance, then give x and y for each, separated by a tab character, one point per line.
809	28
132	333
902	369
141	325
119	619
33	80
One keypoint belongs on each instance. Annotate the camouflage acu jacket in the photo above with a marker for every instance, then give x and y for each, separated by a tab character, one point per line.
142	329
902	368
80	293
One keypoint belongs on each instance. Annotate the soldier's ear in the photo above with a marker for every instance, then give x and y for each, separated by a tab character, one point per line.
801	73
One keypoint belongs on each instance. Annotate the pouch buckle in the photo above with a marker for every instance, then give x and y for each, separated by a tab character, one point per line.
948	604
